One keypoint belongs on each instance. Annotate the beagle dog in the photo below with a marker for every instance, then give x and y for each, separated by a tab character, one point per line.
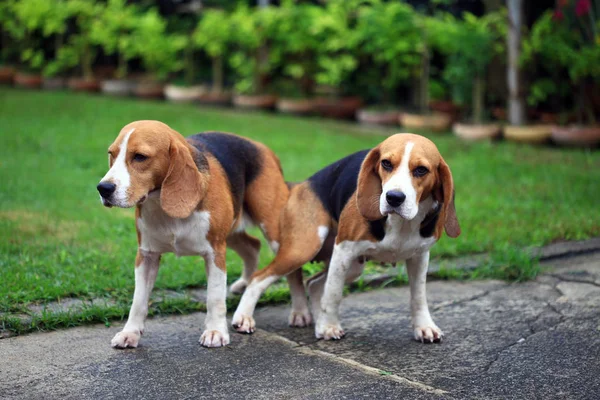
388	204
192	196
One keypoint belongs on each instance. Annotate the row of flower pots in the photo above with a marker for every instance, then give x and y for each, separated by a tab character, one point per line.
443	119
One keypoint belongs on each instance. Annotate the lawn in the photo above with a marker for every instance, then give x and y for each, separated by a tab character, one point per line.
57	241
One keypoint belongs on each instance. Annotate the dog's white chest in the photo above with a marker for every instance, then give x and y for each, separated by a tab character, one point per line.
163	234
402	241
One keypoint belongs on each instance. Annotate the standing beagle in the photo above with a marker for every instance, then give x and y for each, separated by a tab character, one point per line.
193	196
387	204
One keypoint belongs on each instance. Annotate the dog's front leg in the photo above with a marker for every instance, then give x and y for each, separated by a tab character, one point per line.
328	323
215	332
425	330
145	275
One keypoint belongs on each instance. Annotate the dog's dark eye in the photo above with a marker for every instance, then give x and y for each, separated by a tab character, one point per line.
387	165
420	171
139	157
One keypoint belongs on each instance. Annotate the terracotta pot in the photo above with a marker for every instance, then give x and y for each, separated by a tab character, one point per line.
83	85
548	118
444	106
375	117
342	108
184	94
584	136
528	133
215	98
117	87
149	90
295	106
499	113
54	83
435	122
7	74
477	132
29	81
254	101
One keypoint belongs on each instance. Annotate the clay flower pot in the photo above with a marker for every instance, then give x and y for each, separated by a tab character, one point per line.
117	87
340	108
7	74
435	122
477	132
378	117
582	136
215	98
54	83
83	85
28	81
184	94
534	134
295	106
263	101
149	90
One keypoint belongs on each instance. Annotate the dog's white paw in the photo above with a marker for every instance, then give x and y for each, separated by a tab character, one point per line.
243	323
300	319
428	333
238	286
125	339
329	331
214	338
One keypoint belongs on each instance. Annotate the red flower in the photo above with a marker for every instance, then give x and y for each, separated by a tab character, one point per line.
583	7
558	15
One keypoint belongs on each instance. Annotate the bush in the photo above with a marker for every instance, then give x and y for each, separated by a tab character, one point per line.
213	35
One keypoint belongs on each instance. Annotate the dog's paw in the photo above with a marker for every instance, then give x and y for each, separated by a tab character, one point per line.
428	333
125	339
238	286
329	332
243	323
214	338
300	319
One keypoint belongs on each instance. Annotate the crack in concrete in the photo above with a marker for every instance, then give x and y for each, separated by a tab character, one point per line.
561	319
306	348
467	300
573	280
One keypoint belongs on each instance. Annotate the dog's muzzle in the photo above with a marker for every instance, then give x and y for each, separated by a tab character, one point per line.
106	190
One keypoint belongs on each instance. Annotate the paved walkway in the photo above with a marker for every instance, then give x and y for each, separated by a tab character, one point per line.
537	340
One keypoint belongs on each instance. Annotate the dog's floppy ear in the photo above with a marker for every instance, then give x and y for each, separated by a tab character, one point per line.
184	186
445	195
369	189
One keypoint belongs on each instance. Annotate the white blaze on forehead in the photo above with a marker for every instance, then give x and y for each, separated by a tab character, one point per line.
118	173
401	181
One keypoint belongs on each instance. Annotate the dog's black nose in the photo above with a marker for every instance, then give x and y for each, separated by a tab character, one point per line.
106	189
394	198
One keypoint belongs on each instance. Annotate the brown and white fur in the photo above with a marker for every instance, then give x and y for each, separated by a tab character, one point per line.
388	204
192	197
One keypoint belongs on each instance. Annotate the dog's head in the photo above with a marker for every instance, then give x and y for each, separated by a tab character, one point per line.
401	172
149	157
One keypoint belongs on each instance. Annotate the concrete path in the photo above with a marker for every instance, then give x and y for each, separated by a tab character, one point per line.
537	340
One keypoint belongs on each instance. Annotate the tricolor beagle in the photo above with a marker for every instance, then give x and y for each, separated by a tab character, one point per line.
192	196
387	204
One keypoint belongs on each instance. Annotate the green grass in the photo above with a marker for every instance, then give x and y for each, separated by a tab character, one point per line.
57	241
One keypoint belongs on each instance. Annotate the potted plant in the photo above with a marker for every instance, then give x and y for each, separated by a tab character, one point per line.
251	60
24	29
428	28
79	51
112	31
470	44
213	36
9	50
388	43
568	40
159	56
296	44
336	60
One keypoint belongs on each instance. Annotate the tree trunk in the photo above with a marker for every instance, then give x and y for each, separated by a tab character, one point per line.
217	74
424	83
478	99
516	105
